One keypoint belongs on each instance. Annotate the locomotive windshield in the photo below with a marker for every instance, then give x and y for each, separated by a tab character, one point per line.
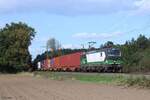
114	52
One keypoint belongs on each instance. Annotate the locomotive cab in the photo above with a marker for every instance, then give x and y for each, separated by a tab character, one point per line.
113	54
114	59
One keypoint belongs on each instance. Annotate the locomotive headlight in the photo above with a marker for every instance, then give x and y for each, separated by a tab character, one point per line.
114	62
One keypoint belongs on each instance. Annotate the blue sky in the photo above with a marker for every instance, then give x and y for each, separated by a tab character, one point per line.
75	22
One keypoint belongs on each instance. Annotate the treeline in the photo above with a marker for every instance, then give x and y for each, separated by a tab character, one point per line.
15	38
136	54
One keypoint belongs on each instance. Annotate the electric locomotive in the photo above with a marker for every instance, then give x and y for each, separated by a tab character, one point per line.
104	60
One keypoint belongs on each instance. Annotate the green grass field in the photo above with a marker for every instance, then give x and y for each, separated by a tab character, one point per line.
102	78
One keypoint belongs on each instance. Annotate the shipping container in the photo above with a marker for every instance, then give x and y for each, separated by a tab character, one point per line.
39	65
70	61
45	64
49	64
42	64
56	64
52	62
65	62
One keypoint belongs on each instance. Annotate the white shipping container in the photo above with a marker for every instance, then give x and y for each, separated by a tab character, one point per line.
39	65
96	57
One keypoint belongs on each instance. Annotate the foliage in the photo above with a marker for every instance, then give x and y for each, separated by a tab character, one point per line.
109	44
137	81
53	44
136	55
15	38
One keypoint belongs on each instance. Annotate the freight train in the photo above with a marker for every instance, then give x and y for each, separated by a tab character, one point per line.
104	60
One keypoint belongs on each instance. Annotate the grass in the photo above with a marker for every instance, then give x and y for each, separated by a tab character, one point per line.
116	79
141	81
83	77
99	79
25	74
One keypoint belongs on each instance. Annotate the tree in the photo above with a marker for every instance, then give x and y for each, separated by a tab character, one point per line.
15	38
53	44
109	44
136	54
142	42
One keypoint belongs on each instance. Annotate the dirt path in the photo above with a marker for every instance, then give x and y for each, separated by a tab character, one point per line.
14	87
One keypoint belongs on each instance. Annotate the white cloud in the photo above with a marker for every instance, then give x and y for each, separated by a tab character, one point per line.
143	6
71	46
86	35
68	7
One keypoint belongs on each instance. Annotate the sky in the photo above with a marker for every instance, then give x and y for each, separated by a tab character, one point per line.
76	22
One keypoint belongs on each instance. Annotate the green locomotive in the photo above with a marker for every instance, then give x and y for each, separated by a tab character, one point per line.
104	60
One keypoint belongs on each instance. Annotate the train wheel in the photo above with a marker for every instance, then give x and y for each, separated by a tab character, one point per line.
120	70
64	69
99	70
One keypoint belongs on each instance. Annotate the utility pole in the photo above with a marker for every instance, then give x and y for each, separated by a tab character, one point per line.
46	51
91	43
82	46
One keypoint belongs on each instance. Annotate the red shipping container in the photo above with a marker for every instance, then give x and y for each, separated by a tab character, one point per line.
46	64
70	61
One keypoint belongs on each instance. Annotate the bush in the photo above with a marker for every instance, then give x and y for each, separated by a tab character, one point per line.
145	61
137	81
